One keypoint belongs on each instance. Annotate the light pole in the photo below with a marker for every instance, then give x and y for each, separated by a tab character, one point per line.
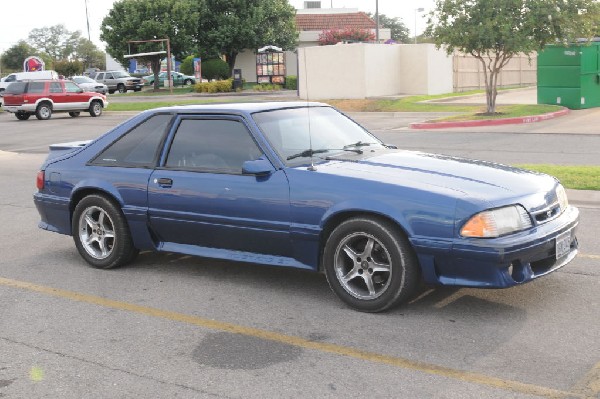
417	10
377	21
87	18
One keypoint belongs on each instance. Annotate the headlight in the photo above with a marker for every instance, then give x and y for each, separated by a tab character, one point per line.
497	222
561	194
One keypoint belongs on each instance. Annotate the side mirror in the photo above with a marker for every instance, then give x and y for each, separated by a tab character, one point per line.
258	167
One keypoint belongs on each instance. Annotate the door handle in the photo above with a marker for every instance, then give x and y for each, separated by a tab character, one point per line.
164	182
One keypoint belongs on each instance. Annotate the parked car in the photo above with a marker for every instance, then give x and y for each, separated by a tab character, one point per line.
179	79
118	81
259	183
89	84
44	97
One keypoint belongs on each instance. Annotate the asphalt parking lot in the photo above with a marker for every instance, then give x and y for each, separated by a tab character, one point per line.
177	326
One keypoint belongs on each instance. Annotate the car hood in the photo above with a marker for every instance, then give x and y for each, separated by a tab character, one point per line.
467	178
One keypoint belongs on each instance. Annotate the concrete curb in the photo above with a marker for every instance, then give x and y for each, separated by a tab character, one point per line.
584	198
490	122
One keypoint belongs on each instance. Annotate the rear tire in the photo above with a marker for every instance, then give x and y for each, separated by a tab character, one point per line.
101	233
74	114
370	264
95	108
43	111
22	116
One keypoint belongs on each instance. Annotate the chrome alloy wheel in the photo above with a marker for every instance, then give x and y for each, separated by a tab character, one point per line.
363	266
96	232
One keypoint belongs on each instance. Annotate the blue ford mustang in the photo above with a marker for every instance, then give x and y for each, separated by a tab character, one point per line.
302	185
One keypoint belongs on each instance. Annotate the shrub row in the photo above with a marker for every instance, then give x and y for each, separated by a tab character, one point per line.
266	87
218	86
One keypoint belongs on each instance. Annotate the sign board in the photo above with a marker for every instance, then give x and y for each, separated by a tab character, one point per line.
33	64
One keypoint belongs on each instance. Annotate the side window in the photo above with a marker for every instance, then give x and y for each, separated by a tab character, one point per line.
100	76
55	87
139	147
109	76
36	87
11	78
215	145
72	87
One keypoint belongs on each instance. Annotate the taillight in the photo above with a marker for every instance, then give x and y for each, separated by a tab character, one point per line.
39	181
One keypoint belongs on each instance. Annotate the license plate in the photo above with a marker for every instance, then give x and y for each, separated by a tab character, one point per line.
563	244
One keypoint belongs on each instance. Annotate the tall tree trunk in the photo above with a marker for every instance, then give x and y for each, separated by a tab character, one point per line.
231	61
155	63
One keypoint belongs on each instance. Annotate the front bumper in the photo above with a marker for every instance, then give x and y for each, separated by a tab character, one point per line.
505	261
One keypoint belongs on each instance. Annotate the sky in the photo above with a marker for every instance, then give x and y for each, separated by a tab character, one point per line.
72	13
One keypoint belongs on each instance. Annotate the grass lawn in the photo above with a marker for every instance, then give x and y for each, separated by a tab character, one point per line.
573	177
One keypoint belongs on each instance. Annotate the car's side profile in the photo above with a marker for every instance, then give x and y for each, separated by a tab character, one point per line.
44	97
301	185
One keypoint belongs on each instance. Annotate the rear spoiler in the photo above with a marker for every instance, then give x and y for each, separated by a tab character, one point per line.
59	149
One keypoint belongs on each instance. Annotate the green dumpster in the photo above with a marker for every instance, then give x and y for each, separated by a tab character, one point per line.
569	75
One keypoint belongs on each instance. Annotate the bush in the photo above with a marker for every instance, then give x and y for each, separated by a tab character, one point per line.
68	68
215	69
219	86
187	65
291	82
267	87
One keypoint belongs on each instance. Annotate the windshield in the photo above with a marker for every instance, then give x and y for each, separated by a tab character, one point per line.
119	74
296	133
83	79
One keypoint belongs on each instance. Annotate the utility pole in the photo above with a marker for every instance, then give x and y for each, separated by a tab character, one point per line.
87	18
416	11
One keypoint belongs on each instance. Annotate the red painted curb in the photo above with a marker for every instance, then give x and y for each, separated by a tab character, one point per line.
490	122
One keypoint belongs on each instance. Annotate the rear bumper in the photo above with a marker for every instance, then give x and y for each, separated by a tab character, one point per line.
506	261
19	108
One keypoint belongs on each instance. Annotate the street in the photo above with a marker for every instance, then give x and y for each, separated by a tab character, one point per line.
177	326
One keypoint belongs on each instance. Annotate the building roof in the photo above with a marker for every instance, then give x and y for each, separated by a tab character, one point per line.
320	22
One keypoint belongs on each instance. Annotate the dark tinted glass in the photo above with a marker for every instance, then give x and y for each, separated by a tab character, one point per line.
139	147
212	145
36	87
56	87
16	88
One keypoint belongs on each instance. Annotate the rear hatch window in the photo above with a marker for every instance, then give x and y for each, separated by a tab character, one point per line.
16	88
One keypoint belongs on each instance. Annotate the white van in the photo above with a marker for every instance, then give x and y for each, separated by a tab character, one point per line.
20	76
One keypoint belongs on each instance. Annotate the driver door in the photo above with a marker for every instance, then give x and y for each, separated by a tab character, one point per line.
200	197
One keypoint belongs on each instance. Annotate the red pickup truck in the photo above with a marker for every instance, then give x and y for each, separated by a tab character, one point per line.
43	97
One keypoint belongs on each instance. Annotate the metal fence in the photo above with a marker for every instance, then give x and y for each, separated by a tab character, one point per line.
468	72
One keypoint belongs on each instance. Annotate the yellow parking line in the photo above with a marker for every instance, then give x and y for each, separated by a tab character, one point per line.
586	256
589	386
407	364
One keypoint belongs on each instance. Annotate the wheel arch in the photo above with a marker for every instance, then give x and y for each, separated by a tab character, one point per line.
85	191
337	218
44	100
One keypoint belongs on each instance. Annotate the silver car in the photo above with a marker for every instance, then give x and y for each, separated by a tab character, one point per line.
89	84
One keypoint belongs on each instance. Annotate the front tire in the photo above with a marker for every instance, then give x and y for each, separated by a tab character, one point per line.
101	233
121	88
95	108
370	264
187	82
43	111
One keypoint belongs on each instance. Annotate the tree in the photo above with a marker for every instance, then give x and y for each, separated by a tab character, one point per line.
13	57
130	20
230	26
493	31
56	41
68	68
398	31
89	54
334	36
